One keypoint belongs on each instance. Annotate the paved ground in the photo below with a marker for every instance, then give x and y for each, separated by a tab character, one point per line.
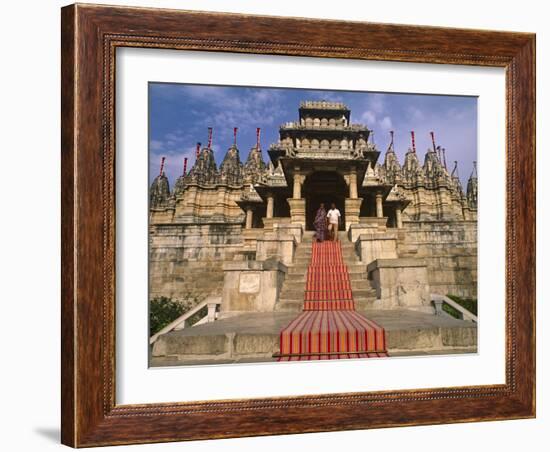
273	322
254	337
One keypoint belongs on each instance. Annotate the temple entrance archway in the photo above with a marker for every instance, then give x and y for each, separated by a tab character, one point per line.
324	187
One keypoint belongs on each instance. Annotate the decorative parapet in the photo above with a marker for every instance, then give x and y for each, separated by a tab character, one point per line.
323	105
294	125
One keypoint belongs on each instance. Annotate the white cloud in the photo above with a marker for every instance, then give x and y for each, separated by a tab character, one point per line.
369	118
156	145
386	123
415	114
377	103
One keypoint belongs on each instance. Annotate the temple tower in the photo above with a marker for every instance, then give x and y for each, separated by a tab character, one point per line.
324	158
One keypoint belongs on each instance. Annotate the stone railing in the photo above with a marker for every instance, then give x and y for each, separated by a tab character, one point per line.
183	321
439	300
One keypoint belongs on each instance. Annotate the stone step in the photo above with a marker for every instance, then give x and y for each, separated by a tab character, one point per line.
307	260
306	248
189	281
301	277
297	304
198	271
302	268
289	306
299	293
212	276
201	264
357	284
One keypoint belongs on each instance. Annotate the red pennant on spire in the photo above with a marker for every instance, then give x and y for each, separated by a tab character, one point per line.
198	151
185	166
433	140
413	143
235	136
391	134
162	165
258	138
209	138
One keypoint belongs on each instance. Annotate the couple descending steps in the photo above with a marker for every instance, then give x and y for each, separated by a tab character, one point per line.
329	327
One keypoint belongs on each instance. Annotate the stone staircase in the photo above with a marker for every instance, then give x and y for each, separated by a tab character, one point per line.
291	298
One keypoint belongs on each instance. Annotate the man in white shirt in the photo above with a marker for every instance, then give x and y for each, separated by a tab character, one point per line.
333	218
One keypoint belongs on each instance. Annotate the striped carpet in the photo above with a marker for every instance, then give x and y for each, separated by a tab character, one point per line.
329	327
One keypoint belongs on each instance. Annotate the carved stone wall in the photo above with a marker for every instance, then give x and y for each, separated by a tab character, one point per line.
449	249
187	260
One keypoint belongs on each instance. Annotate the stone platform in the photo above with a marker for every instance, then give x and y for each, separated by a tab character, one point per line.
254	337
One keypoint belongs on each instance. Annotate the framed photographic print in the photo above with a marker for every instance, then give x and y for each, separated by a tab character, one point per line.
281	225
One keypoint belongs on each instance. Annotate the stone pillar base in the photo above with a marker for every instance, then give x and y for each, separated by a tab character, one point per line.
377	246
352	208
367	225
277	245
297	211
401	284
251	286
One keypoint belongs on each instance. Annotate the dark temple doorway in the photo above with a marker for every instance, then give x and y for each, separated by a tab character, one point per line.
324	187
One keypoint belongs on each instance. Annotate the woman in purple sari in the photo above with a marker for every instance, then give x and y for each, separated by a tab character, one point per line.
320	223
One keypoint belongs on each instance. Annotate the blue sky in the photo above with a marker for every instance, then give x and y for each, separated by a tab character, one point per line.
180	115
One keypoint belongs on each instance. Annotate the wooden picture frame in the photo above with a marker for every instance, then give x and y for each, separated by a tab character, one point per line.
90	36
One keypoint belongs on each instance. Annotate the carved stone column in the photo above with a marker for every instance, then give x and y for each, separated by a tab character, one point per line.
248	218
353	184
353	207
269	210
297	211
296	203
379	209
297	189
398	219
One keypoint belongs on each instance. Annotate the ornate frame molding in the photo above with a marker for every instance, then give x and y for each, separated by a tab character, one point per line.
90	37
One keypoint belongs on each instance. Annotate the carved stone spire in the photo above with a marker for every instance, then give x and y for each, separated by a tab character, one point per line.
205	171
471	188
255	165
231	168
390	171
179	186
412	171
455	179
433	169
159	192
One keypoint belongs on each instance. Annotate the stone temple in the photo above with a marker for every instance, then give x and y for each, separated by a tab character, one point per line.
237	237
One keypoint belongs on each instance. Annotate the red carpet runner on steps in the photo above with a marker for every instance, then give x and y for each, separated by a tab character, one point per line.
329	327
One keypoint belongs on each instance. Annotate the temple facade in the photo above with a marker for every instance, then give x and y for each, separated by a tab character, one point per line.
233	229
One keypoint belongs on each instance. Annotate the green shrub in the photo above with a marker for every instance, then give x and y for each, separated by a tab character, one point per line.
164	310
468	303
